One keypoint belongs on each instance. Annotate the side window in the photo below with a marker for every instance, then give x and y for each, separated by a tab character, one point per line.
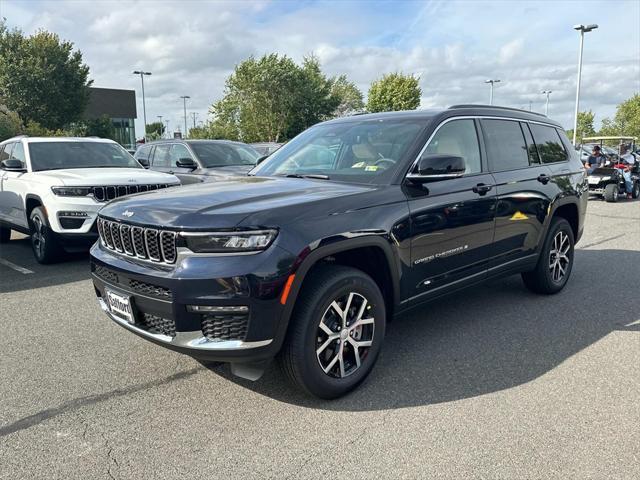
18	152
505	145
459	138
143	152
5	151
534	159
177	152
161	156
549	144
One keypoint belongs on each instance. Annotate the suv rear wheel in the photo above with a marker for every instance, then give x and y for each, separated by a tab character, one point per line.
43	241
5	234
336	332
556	260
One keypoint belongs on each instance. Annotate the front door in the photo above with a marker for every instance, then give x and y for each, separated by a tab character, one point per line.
452	220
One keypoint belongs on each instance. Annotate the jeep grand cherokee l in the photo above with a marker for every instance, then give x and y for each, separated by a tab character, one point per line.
352	222
52	189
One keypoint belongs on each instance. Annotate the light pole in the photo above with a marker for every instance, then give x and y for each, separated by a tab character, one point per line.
582	29
161	125
491	82
144	107
546	105
184	102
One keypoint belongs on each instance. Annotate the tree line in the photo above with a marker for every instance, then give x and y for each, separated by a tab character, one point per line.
626	121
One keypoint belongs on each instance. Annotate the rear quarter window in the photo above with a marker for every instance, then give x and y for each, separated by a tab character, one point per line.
550	146
505	144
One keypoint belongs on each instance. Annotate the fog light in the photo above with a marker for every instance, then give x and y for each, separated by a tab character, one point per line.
217	309
73	214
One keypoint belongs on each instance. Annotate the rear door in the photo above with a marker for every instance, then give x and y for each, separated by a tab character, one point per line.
14	188
524	191
160	160
452	220
177	152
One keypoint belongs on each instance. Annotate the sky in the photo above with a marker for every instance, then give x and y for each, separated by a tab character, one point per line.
191	47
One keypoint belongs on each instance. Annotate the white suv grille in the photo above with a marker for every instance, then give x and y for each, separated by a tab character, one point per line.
145	243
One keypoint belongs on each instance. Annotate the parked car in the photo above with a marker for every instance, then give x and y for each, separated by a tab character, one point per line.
349	224
195	161
266	148
52	189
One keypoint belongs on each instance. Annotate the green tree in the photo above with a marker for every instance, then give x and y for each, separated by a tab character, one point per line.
626	120
394	91
349	97
42	78
155	130
10	124
585	126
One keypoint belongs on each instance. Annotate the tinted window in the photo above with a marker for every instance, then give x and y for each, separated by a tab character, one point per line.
364	151
18	152
177	152
143	152
161	156
5	151
59	155
218	154
505	145
534	159
458	138
549	144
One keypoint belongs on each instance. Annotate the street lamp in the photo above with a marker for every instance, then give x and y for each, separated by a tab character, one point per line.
161	124
184	102
546	106
144	107
491	82
582	29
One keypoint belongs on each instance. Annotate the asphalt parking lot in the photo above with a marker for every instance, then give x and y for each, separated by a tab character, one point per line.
493	383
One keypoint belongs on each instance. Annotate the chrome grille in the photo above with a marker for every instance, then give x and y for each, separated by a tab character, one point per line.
146	243
109	192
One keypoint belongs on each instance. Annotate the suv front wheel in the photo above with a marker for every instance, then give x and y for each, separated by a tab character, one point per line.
336	331
43	241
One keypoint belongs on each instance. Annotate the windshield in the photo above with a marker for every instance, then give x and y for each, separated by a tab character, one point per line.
59	155
213	155
367	151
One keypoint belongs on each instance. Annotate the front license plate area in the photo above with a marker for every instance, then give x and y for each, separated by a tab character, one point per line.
120	305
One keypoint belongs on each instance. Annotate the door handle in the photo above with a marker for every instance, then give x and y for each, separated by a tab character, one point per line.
544	178
482	189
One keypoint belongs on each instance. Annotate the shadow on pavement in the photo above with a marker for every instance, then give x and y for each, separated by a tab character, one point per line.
494	337
71	268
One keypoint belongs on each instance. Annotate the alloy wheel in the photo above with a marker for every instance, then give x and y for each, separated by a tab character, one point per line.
345	335
38	237
559	256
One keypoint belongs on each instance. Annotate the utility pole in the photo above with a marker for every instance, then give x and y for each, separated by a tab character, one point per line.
184	102
168	134
144	107
161	125
582	29
491	82
194	115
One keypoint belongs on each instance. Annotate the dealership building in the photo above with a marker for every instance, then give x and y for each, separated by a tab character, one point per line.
120	107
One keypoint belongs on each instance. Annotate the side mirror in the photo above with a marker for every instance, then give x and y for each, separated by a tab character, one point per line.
13	165
186	163
261	159
144	162
435	167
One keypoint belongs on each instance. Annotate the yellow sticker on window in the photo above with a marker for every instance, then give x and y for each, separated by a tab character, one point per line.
371	168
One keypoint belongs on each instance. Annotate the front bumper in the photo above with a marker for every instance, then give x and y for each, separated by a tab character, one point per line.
160	296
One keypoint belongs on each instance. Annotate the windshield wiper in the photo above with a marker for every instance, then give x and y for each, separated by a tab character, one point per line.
314	176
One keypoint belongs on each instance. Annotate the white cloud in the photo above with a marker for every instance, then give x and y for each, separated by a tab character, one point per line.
510	51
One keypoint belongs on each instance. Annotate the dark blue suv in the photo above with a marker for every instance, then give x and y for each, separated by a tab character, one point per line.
352	222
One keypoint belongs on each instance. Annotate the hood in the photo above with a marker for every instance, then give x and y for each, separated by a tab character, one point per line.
77	177
227	203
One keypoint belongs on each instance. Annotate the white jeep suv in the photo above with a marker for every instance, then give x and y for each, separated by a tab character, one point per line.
52	189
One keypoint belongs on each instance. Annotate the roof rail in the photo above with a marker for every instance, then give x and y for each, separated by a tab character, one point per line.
472	105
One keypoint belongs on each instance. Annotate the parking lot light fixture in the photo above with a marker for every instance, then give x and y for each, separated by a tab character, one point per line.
491	82
582	29
546	105
144	107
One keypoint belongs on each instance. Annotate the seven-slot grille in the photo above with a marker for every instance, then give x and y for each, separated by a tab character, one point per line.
109	192
146	243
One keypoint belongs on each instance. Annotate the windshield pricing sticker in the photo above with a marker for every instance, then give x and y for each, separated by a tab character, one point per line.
371	168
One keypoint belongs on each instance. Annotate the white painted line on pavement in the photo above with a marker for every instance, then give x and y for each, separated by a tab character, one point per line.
17	268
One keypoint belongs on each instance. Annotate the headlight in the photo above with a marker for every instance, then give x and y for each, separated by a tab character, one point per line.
71	191
228	242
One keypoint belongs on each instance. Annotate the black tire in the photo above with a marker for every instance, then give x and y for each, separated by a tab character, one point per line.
542	279
611	193
635	192
43	241
5	234
299	358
